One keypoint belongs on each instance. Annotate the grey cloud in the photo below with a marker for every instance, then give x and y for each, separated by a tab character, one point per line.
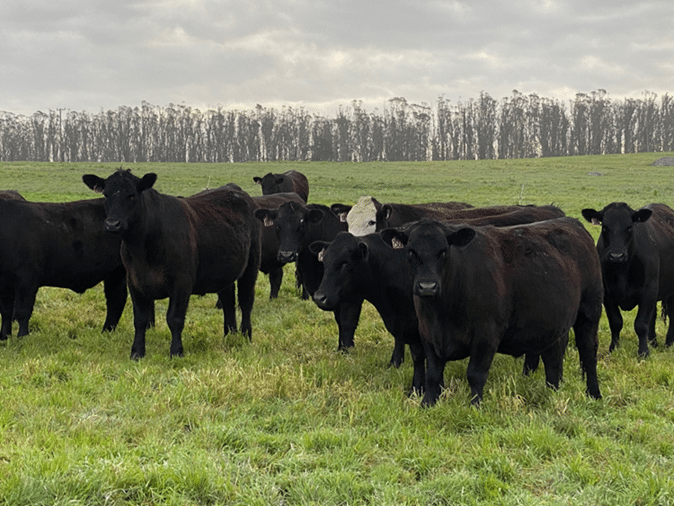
93	54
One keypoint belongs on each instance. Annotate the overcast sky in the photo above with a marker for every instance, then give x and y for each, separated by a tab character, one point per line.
93	55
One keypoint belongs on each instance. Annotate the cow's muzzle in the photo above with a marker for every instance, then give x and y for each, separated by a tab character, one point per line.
286	256
617	257
426	289
321	299
113	225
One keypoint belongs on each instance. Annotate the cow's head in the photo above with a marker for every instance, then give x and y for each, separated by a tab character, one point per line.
427	244
343	261
362	217
121	191
270	183
617	229
291	221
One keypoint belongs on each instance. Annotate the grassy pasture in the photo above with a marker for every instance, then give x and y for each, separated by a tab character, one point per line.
288	420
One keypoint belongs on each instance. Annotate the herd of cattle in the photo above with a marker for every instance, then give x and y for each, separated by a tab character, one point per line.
449	280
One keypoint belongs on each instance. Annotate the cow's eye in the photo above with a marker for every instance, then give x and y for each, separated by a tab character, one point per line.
413	258
442	254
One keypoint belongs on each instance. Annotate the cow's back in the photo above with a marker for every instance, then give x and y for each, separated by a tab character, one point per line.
396	215
552	272
661	232
60	244
529	281
225	230
300	184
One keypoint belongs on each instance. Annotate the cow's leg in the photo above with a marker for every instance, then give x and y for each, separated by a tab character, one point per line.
143	313
553	361
652	339
419	362
642	324
615	323
299	283
24	302
6	312
347	315
481	357
398	356
175	318
227	301
435	370
531	361
668	308
275	280
114	288
246	296
587	342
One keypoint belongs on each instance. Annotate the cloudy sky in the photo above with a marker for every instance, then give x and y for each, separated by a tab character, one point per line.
93	55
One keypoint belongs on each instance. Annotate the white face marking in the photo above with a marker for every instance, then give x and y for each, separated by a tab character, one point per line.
362	218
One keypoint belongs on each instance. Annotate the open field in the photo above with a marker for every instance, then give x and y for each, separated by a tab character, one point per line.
286	419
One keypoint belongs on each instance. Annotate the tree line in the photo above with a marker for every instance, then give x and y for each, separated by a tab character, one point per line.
518	126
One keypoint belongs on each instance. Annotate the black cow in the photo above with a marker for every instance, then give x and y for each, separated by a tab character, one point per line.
56	244
357	268
290	181
370	270
297	227
11	195
513	290
369	215
269	263
174	247
636	249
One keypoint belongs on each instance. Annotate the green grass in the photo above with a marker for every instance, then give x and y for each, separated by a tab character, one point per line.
288	420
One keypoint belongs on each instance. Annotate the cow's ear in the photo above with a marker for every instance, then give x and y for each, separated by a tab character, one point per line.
461	237
641	215
279	180
341	210
592	216
266	216
364	251
94	182
386	211
315	215
146	182
318	248
258	180
394	238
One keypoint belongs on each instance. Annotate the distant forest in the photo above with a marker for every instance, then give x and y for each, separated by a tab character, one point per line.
519	126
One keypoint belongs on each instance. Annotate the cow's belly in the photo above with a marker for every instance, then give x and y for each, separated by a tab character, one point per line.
626	299
151	282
